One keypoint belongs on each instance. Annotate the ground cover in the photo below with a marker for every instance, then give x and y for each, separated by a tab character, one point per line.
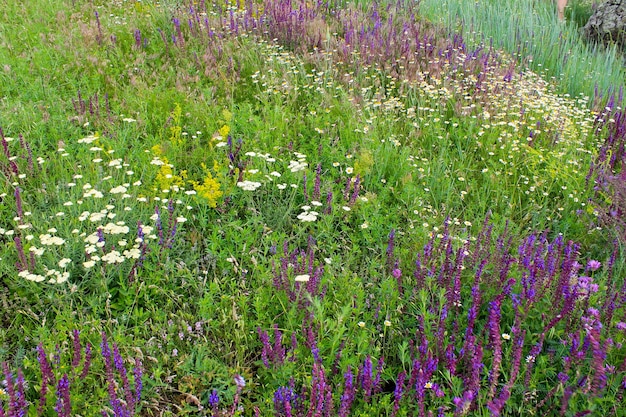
297	208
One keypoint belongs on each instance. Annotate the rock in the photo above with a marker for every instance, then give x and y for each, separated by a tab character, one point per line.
608	23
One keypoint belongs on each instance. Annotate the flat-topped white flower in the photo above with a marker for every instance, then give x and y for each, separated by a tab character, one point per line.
88	139
120	189
49	240
308	216
295	166
37	251
133	253
248	185
113	257
302	278
115	229
64	262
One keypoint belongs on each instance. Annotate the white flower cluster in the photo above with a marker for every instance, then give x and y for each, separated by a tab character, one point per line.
88	139
248	185
307	215
52	275
295	166
49	240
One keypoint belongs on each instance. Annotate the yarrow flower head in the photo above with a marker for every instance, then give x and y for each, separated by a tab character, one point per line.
248	185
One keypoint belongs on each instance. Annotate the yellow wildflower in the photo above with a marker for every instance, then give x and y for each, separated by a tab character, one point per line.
209	190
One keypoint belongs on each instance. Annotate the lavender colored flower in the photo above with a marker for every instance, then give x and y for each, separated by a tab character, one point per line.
18	406
240	381
398	392
283	398
63	406
138	374
137	38
47	376
329	203
390	247
593	265
365	378
355	192
22	264
214	399
379	372
347	398
267	348
77	349
317	184
87	362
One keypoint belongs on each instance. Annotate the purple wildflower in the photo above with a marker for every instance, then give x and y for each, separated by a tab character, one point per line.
63	406
365	378
347	398
593	265
398	392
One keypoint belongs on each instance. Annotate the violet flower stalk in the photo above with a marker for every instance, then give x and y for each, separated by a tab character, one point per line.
379	372
496	344
304	187
240	382
121	369
283	398
108	365
138	374
267	348
319	392
137	38
76	354
63	406
390	248
355	192
22	263
317	184
365	378
115	361
18	204
214	400
347	398
398	392
47	377
18	407
99	37
87	361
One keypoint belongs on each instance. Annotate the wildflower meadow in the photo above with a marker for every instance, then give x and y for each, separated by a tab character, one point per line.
310	208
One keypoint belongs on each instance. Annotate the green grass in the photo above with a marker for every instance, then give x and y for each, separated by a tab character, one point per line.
181	182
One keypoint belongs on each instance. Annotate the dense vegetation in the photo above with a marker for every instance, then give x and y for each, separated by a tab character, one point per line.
300	208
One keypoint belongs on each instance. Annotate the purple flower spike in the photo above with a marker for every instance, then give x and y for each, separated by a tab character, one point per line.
63	406
347	398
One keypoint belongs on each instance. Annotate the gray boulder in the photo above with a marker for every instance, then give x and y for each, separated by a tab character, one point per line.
608	23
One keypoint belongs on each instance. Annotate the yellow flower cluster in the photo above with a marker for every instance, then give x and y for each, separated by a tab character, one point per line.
209	190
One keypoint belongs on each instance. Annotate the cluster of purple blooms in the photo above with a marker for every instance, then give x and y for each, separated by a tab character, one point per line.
123	399
517	309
